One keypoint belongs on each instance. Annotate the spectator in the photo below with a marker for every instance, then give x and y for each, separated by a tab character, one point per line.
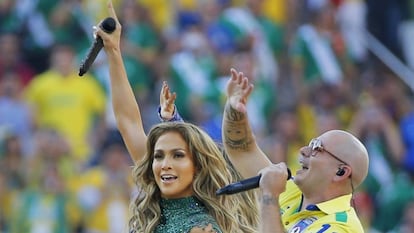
10	44
105	190
318	53
15	114
66	103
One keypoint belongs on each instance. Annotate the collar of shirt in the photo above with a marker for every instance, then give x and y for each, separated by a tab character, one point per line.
339	204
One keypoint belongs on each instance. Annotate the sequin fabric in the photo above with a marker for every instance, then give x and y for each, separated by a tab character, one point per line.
181	215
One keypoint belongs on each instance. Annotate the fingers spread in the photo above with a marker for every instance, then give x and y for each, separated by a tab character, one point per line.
233	74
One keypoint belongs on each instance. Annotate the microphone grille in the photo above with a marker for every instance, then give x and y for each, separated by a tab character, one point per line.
108	25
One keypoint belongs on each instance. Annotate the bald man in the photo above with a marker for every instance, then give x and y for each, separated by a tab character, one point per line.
318	199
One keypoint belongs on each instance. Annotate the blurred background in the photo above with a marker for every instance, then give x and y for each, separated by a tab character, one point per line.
316	65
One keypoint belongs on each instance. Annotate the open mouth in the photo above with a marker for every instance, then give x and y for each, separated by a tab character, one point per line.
168	177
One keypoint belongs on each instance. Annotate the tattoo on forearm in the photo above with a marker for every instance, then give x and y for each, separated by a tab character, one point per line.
234	115
236	135
269	200
237	144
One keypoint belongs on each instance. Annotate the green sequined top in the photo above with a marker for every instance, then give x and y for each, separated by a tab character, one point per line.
181	215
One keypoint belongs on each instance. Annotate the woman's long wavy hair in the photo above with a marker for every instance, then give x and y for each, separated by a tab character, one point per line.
232	213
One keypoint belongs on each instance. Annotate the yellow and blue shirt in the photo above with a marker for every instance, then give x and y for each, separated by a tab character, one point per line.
336	215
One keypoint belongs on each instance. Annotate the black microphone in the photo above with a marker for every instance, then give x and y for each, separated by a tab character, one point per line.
244	185
108	25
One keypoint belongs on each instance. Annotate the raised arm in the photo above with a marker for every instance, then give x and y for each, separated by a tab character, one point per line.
238	138
127	113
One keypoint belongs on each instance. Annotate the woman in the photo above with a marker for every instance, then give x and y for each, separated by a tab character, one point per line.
183	168
179	167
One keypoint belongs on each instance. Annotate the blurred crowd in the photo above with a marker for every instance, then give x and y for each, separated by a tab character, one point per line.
63	165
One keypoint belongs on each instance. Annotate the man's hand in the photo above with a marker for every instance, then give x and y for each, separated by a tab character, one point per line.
238	90
273	180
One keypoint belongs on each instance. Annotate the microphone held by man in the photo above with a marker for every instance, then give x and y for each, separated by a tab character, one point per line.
244	185
108	25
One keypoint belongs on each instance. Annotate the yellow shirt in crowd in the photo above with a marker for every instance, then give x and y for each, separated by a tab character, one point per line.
68	105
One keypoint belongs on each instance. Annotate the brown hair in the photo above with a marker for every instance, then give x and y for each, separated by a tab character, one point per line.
236	213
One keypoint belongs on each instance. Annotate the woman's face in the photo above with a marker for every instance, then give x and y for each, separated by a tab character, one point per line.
173	166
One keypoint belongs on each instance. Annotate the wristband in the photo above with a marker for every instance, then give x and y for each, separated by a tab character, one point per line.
176	116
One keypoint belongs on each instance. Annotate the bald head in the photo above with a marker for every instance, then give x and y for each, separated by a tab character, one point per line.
349	149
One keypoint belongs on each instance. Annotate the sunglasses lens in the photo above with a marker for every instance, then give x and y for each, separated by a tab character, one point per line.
315	145
312	144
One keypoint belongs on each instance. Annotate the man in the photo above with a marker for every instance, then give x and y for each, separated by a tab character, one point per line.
319	197
63	102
